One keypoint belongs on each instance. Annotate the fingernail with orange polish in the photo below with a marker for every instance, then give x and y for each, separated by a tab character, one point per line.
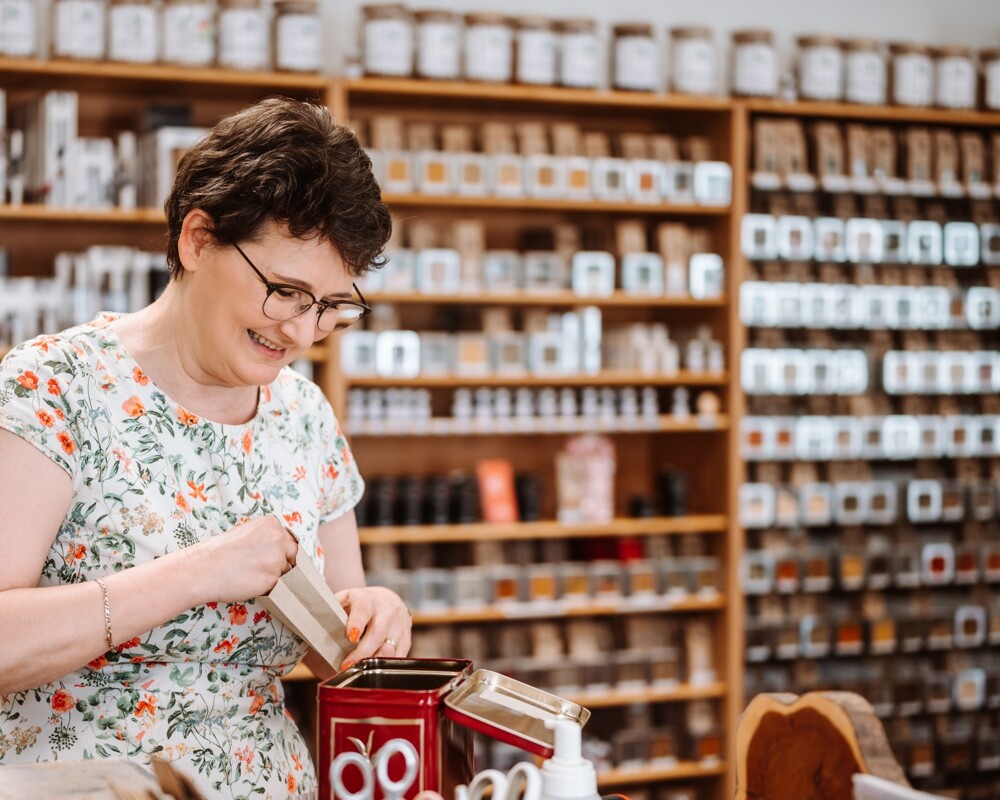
353	635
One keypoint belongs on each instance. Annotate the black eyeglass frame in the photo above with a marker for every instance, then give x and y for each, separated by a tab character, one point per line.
321	305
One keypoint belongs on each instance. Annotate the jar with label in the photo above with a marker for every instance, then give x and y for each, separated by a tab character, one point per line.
821	68
243	35
954	77
298	37
865	69
636	66
912	74
755	64
439	44
990	61
535	48
489	48
387	40
692	60
78	29
18	27
189	32
579	53
132	31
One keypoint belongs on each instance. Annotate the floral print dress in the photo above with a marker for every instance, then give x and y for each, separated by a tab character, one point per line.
149	478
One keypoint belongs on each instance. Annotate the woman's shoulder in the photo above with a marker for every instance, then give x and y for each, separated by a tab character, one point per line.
70	352
296	392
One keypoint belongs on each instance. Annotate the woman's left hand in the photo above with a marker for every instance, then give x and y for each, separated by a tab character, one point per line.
377	621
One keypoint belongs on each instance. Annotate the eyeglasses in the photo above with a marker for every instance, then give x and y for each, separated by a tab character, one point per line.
284	302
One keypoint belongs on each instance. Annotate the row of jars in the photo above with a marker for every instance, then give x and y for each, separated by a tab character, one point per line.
440	44
236	34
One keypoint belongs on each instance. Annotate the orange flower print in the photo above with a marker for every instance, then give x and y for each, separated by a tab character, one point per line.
62	701
257	704
245	754
134	642
261	615
346	455
197	491
76	553
226	646
331	472
297	763
134	407
45	418
59	413
53	386
182	503
247	442
291	783
108	382
294	517
67	443
29	380
98	663
43	342
146	706
139	376
185	417
237	613
300	473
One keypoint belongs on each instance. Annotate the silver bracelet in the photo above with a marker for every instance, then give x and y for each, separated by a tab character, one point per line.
107	614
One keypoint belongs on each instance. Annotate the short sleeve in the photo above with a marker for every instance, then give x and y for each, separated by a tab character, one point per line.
36	400
342	485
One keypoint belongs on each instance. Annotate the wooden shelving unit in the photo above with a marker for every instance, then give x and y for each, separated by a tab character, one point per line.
487	204
600	379
619	299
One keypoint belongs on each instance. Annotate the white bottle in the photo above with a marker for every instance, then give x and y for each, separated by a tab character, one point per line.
568	775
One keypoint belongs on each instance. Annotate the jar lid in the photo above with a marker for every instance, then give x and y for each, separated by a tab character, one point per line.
434	15
576	25
385	11
130	2
752	36
991	54
535	22
862	44
486	18
952	51
691	32
817	40
632	29
295	6
906	48
239	3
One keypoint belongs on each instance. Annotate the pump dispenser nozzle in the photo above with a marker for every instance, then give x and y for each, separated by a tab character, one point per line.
567	775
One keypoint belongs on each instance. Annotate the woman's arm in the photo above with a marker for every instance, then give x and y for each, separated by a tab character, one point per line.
50	631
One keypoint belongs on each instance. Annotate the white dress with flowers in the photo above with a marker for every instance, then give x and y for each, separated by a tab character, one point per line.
149	478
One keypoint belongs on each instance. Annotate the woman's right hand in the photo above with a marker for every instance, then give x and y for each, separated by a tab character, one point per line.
243	562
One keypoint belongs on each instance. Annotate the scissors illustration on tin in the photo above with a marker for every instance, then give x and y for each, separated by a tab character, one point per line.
523	782
376	770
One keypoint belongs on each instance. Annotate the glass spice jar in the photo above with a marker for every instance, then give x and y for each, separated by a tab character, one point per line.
133	34
535	51
489	48
19	28
78	29
865	71
189	32
636	65
990	62
954	77
243	35
821	68
439	44
298	37
755	64
692	60
387	40
579	53
912	74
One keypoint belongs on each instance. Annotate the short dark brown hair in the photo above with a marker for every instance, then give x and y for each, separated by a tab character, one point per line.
286	161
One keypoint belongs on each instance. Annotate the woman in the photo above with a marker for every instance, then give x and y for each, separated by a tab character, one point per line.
160	470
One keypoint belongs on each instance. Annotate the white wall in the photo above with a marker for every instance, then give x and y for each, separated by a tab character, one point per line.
970	22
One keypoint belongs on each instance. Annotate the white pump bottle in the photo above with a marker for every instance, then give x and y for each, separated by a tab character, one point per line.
568	775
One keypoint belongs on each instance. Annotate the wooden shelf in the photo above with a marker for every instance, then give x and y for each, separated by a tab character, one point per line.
612	779
32	212
601	379
593	608
381	89
549	529
32	71
539	204
618	299
854	111
448	426
618	697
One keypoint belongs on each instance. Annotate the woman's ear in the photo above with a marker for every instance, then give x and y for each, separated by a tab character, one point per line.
195	239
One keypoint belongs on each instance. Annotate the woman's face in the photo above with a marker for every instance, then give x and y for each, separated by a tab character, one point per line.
247	347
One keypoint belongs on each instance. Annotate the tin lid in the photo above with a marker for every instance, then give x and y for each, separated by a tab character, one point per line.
437	675
576	25
511	711
632	29
753	37
691	32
